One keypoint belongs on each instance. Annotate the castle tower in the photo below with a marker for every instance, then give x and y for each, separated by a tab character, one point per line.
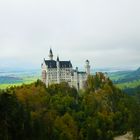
51	54
87	67
43	74
77	79
58	70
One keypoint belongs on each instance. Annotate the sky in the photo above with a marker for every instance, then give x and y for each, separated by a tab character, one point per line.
106	32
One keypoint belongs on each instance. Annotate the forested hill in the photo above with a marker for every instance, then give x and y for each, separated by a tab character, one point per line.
129	76
126	79
59	112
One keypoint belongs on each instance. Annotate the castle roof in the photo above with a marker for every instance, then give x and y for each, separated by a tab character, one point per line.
53	64
81	72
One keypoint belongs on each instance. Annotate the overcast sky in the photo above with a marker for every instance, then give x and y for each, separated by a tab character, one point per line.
107	32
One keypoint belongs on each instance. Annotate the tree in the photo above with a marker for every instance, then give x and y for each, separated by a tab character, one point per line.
66	128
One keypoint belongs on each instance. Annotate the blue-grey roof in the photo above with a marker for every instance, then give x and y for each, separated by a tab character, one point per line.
65	64
53	64
50	63
81	72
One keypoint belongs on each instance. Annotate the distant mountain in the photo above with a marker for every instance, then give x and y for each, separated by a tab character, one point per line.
137	72
14	77
10	80
129	76
126	79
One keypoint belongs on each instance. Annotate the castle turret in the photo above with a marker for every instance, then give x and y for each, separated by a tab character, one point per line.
58	70
43	76
51	54
43	72
87	67
77	79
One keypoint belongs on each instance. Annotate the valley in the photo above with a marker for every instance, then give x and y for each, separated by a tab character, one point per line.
129	79
17	78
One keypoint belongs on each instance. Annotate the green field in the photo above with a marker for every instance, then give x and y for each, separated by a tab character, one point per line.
26	80
9	79
131	84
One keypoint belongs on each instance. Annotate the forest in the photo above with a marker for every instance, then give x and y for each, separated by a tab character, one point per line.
59	112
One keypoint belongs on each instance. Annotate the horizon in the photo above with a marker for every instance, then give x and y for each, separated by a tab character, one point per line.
105	32
94	69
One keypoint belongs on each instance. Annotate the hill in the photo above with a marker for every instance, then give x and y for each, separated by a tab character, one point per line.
129	76
10	78
123	79
126	79
101	111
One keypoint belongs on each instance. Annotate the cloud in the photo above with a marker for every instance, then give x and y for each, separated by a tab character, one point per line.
106	32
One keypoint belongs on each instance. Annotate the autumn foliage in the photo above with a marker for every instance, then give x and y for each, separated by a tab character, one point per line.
60	112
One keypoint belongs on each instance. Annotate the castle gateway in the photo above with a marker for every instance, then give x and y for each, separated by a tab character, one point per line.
56	71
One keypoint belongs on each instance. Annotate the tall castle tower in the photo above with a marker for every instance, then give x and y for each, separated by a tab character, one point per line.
58	70
44	74
87	67
51	54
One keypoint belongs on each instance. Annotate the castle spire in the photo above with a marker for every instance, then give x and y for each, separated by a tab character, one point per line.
51	54
57	58
58	70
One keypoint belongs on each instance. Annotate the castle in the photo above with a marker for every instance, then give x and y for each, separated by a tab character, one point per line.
62	71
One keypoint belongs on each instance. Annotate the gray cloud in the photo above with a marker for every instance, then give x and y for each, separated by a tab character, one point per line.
106	32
